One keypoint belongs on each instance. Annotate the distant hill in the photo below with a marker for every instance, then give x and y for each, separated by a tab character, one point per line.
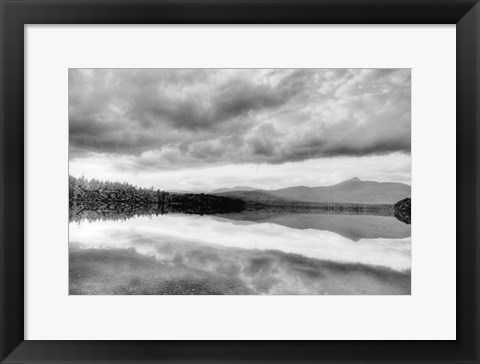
232	189
182	191
256	196
351	191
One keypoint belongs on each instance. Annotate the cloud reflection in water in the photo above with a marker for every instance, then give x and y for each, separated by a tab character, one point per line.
191	254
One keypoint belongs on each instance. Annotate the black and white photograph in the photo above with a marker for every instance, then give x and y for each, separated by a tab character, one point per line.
239	181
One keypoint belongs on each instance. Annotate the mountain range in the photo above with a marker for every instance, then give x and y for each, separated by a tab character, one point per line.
232	189
351	191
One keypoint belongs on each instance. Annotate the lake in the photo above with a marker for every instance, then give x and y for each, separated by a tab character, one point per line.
254	252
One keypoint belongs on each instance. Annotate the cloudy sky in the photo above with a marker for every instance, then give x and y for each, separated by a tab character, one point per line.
201	129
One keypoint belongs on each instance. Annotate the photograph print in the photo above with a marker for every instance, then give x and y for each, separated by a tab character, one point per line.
239	181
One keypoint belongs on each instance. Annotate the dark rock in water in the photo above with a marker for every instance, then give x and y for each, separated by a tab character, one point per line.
403	210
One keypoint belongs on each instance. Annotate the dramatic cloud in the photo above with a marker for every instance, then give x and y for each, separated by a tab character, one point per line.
167	119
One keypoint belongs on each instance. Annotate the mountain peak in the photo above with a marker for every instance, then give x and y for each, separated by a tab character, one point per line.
354	179
348	182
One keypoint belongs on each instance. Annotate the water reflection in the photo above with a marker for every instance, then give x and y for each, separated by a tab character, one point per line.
353	227
261	253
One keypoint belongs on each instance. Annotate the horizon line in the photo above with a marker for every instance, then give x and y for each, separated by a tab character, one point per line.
239	186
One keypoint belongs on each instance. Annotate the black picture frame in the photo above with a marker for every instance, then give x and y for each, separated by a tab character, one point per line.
15	14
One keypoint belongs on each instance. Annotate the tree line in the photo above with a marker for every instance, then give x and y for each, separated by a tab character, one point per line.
92	194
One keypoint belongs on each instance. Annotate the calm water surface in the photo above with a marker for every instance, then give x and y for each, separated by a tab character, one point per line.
241	253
